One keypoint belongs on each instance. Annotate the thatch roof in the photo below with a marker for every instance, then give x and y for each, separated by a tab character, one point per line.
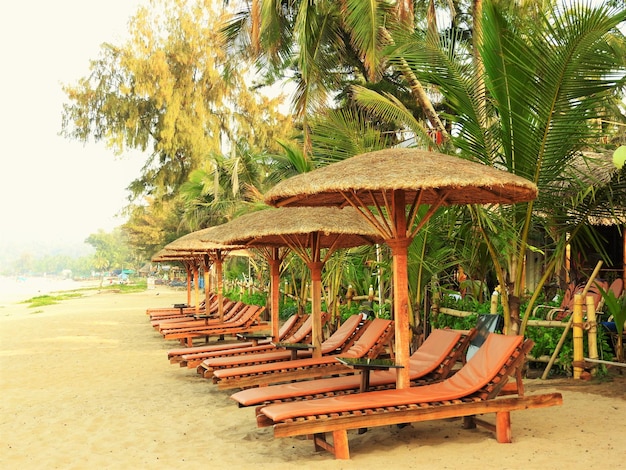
594	167
170	255
436	176
198	242
339	228
597	168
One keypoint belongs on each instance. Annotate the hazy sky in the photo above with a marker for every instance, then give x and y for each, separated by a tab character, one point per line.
51	187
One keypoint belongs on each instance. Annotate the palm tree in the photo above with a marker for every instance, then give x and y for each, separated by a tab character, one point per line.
544	82
324	47
218	192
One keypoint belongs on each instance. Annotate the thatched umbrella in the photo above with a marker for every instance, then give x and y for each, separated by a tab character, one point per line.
185	257
597	169
393	184
306	231
205	253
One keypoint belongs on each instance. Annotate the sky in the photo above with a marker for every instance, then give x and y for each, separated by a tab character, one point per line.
51	188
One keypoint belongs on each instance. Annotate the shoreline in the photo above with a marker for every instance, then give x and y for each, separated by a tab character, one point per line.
14	290
86	384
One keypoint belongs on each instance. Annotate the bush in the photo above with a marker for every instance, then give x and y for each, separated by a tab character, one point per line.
545	338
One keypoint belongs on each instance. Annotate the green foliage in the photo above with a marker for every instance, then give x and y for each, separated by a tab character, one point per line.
112	250
545	338
170	89
615	307
288	309
173	92
456	323
254	298
524	105
235	267
469	304
136	285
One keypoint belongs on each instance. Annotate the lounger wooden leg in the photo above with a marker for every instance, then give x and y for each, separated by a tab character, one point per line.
340	443
339	448
469	422
503	426
319	441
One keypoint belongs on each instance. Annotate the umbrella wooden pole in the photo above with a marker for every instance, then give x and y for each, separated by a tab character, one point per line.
207	281
399	249
196	278
220	286
207	286
189	274
274	263
316	306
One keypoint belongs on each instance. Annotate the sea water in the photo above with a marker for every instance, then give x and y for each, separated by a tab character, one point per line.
16	289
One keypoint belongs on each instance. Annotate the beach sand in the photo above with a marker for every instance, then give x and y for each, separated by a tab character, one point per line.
86	384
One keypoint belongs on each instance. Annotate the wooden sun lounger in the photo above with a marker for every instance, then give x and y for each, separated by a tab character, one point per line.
473	390
288	328
337	342
234	314
376	335
228	305
179	309
231	310
247	322
431	362
300	335
189	315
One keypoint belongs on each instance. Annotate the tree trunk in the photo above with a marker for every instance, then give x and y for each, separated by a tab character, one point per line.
514	309
418	92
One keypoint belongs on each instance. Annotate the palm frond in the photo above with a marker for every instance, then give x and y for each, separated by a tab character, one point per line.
390	109
364	20
343	133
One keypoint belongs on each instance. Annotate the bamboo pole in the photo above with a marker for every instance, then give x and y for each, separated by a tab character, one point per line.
608	363
592	334
577	331
569	324
557	349
494	303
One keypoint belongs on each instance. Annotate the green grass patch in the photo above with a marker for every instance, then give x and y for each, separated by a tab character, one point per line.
55	298
139	285
43	300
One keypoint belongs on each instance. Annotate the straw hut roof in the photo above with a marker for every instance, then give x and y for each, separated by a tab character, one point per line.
339	228
198	242
431	176
594	167
597	168
170	255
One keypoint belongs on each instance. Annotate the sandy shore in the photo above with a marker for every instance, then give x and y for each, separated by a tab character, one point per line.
86	384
